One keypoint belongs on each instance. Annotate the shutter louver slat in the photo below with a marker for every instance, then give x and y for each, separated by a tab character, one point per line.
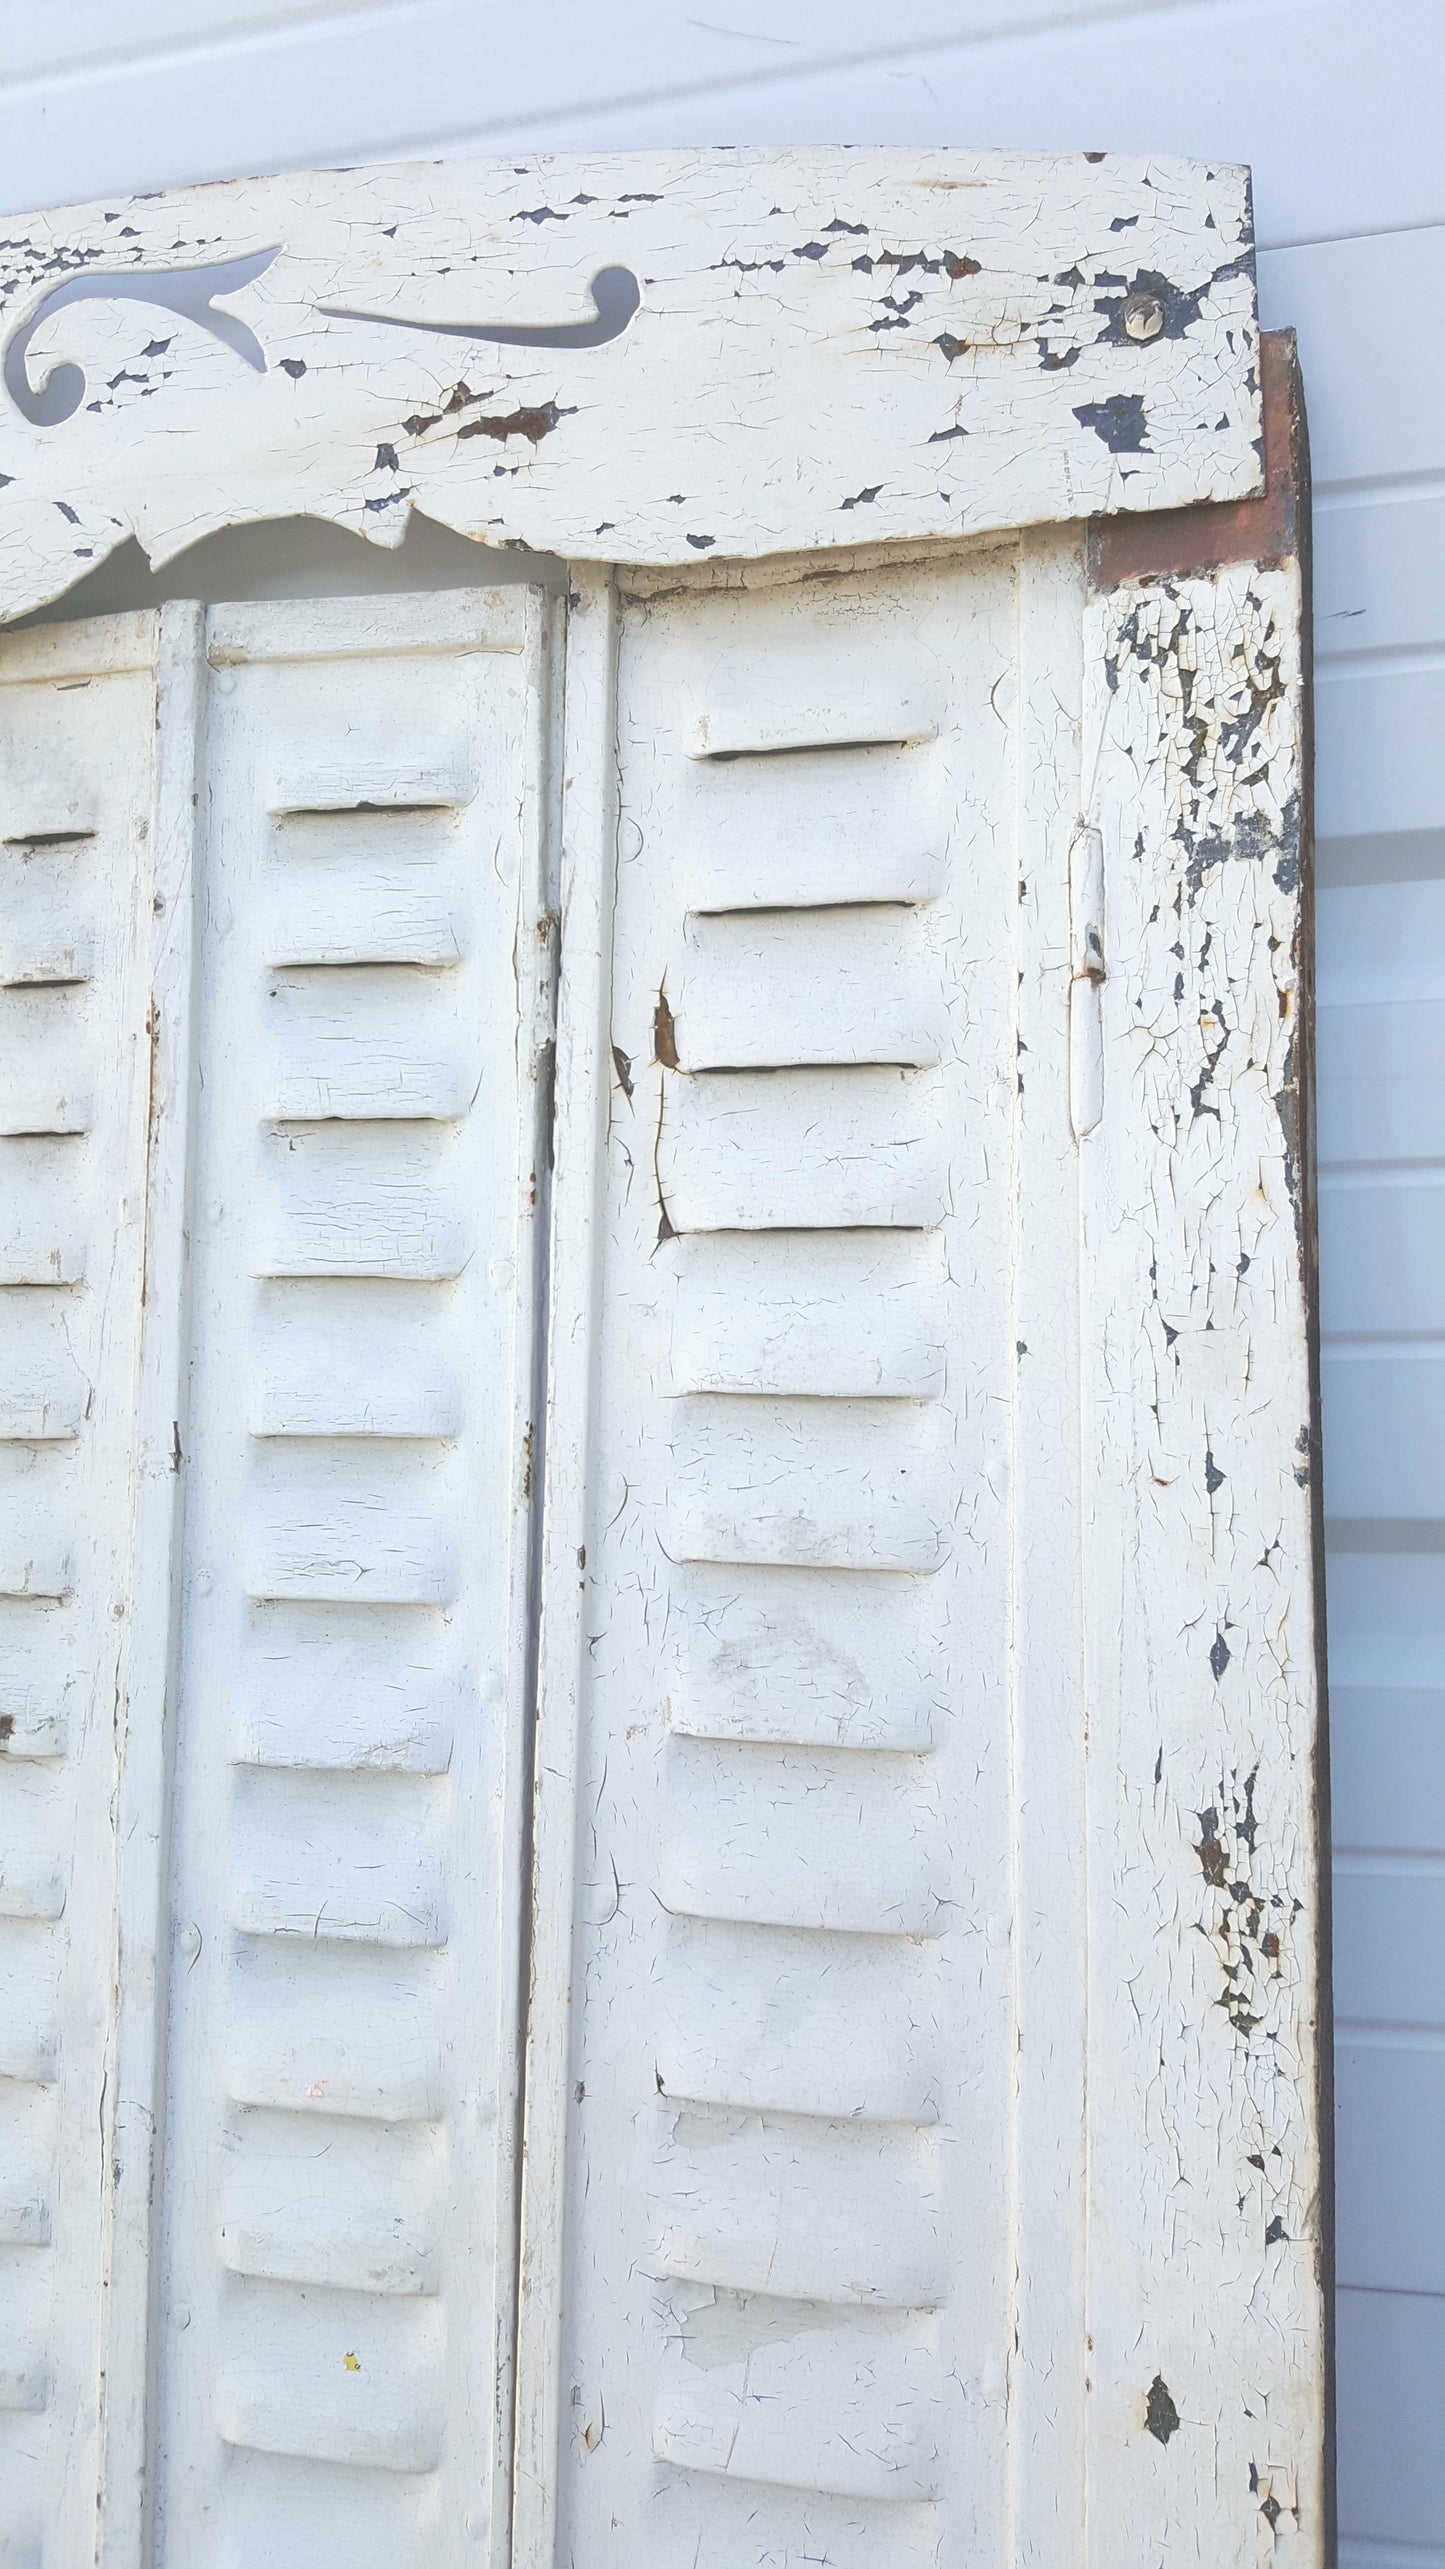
774	1150
793	831
809	1657
829	986
847	1315
843	1484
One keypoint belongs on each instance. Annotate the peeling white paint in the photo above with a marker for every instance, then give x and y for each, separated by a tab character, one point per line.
826	346
921	2146
1202	1615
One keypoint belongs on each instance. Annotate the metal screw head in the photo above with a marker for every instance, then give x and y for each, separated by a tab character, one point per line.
1143	317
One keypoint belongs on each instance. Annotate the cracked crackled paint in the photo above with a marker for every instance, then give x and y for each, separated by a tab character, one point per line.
787	339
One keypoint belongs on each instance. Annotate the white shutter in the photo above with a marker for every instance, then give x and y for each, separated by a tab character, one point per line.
89	820
787	2295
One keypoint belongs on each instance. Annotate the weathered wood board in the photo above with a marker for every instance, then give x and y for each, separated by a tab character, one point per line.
636	359
1209	2219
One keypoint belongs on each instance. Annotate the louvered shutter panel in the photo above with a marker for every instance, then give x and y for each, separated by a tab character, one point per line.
786	2304
922	2113
92	825
335	2280
258	2295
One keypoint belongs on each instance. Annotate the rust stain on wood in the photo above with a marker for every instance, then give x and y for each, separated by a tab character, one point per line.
1178	540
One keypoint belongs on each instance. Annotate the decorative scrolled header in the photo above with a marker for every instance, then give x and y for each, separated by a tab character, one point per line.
191	293
639	359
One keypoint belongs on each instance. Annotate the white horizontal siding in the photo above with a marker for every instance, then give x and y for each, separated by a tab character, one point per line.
70	36
1335	106
606	55
1374	387
1338	109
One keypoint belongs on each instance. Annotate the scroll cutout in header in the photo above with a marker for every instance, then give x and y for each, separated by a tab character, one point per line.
616	296
191	293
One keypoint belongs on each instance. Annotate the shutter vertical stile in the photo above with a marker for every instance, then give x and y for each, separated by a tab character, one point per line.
93	856
135	2094
586	890
1048	2374
338	2269
789	2255
1206	2226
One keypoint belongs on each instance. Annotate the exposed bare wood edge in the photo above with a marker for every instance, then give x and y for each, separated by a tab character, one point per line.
582	891
1298	466
1273	528
129	1957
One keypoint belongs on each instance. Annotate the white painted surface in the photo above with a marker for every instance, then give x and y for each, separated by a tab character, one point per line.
812	348
1338	111
782	2329
88	886
1198	1590
353	1653
271	1775
833	2272
808	2105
